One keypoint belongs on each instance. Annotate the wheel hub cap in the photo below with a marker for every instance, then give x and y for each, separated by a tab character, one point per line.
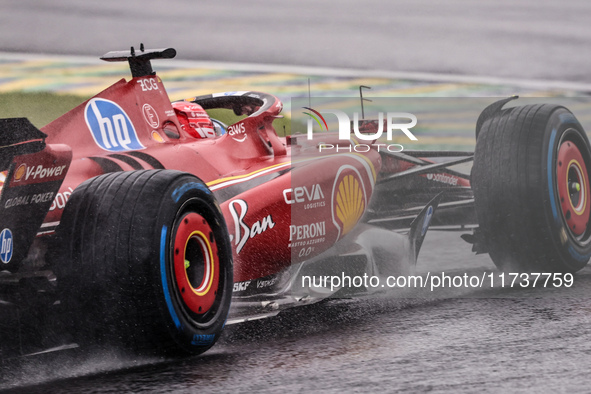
196	263
573	187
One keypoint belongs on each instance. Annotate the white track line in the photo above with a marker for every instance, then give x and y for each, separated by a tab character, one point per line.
333	72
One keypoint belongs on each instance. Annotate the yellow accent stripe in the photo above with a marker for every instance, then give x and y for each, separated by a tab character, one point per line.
231	178
245	177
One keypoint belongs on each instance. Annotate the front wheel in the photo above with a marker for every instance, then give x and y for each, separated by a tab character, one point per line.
531	188
144	261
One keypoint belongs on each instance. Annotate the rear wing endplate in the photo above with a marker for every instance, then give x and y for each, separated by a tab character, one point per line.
18	137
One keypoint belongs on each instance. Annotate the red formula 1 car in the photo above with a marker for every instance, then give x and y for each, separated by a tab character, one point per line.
150	225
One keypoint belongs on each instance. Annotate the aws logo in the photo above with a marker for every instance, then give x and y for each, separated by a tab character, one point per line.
110	126
238	132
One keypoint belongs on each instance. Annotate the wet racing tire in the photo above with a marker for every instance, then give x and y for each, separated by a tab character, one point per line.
145	262
531	189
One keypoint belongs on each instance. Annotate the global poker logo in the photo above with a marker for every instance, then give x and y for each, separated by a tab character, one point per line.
363	129
110	126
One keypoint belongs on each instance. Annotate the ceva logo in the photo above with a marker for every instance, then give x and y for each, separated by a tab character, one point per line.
345	124
110	126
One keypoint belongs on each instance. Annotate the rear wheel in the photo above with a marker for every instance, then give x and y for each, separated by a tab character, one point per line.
145	262
531	189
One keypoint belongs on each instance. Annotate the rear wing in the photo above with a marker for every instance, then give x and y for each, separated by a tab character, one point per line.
31	174
139	62
18	136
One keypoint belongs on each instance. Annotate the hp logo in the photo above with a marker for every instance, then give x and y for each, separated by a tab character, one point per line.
6	245
110	126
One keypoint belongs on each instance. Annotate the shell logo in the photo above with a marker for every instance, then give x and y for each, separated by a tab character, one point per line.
20	171
349	202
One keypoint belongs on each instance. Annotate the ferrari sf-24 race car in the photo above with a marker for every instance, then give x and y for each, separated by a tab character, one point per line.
136	221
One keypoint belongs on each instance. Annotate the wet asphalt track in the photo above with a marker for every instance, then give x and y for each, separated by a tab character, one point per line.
478	340
464	340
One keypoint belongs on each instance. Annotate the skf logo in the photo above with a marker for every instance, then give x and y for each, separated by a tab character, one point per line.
241	286
237	132
110	126
20	171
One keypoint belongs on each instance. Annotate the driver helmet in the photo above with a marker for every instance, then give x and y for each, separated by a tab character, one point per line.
194	120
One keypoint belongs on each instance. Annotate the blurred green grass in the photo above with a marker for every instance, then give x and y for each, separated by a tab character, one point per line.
42	108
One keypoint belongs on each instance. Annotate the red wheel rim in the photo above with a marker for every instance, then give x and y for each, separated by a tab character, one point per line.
196	263
573	187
